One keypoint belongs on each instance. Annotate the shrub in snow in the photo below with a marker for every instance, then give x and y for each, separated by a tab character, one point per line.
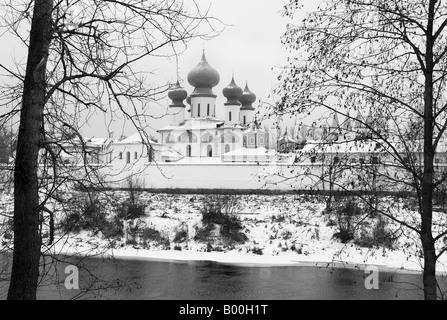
203	233
84	213
150	234
346	213
130	211
132	207
181	235
380	236
89	213
132	242
222	210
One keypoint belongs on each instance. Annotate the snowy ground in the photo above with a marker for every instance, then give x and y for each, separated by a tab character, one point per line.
283	230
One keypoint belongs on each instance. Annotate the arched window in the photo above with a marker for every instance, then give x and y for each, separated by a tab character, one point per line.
209	151
187	137
128	157
229	115
227	148
198	110
188	150
233	139
120	156
208	109
222	139
151	155
207	137
245	120
135	155
170	138
245	140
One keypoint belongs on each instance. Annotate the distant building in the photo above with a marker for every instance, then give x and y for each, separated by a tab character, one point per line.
286	144
92	151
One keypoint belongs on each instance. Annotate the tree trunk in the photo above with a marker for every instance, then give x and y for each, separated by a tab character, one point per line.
428	244
429	278
27	241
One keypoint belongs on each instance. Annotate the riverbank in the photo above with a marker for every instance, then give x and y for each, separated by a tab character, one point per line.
341	257
278	230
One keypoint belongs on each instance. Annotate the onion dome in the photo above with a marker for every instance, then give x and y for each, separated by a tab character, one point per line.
335	122
203	78
359	122
232	92
177	94
247	98
347	124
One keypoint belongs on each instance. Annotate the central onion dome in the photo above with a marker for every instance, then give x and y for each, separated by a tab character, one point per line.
247	98
203	78
177	94
232	92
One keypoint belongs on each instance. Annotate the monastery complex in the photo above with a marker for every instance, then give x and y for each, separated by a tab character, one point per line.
197	150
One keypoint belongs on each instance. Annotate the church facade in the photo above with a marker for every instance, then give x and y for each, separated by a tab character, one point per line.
196	133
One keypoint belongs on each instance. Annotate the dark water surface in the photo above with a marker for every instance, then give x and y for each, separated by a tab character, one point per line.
204	280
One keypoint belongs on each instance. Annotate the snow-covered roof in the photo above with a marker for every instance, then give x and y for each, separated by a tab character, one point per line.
88	142
134	138
342	147
256	130
260	151
287	138
196	124
170	153
227	126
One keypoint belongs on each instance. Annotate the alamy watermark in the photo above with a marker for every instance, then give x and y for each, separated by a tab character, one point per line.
72	280
372	277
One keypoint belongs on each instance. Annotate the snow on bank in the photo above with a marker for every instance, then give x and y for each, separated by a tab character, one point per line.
337	256
286	230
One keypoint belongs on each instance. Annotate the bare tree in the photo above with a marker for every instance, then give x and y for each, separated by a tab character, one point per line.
386	59
84	57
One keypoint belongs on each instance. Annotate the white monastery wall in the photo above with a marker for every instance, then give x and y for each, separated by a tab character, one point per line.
246	176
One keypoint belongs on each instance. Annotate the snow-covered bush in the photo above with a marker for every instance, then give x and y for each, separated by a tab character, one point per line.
180	235
89	213
132	207
149	234
379	236
346	212
223	210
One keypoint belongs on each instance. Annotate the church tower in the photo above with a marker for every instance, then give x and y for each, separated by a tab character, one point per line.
232	107
203	78
177	108
247	110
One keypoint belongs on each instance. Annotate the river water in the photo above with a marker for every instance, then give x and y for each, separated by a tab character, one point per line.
205	280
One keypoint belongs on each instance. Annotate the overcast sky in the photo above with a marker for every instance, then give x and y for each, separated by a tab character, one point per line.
250	47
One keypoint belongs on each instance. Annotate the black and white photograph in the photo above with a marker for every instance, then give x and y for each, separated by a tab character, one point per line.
224	158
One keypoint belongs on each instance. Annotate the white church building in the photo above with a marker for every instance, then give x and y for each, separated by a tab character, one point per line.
196	134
